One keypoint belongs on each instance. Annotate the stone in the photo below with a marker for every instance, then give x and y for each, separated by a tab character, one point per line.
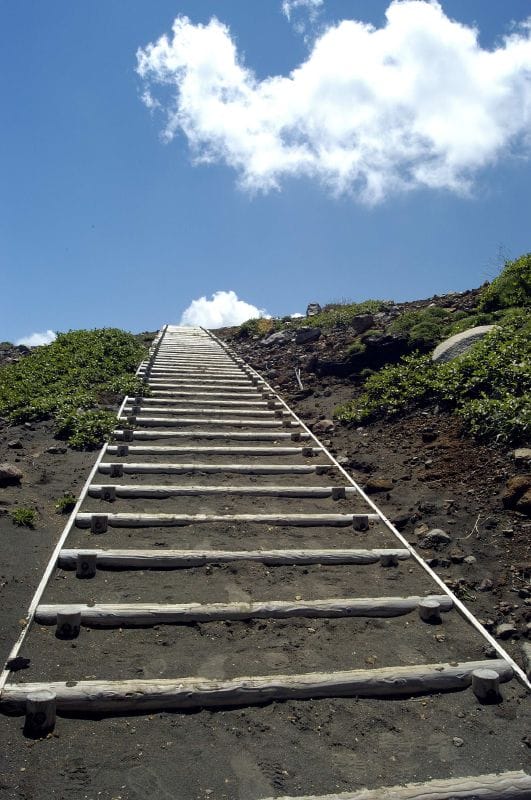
14	444
457	556
401	521
517	489
280	337
522	457
486	585
362	322
56	450
375	485
435	537
457	345
457	741
307	335
506	630
429	435
470	560
524	503
323	426
10	475
313	309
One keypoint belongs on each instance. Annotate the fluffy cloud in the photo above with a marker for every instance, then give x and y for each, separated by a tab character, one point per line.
371	111
224	309
36	339
312	6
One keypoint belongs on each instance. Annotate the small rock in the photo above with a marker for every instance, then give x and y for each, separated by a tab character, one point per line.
10	475
522	456
429	435
400	521
486	585
276	338
362	322
29	426
434	537
457	556
489	651
324	426
506	630
313	309
457	741
14	444
524	503
515	489
56	450
470	559
375	485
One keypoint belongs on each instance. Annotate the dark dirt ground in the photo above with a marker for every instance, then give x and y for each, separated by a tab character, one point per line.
290	747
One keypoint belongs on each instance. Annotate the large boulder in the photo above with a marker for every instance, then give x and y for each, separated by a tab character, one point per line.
313	309
307	335
517	494
362	322
459	344
280	337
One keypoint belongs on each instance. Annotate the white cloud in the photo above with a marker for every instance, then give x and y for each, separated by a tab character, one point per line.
312	6
297	315
372	111
223	310
36	339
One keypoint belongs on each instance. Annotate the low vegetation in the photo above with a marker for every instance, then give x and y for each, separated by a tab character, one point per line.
24	517
71	381
489	386
333	315
65	504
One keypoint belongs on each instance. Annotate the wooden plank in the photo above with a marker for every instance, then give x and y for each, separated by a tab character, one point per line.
504	786
180	408
232	450
238	435
115	615
168	559
161	468
256	490
84	519
168	422
190	401
139	696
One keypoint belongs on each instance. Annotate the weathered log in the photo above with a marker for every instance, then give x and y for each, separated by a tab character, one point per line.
167	559
86	564
486	685
137	520
505	786
138	468
168	422
429	610
40	713
96	697
111	492
112	615
193	449
180	408
237	435
68	622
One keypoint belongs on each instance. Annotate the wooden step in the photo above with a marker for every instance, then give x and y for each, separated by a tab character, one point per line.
124	450
116	469
185	409
168	559
503	786
117	615
238	435
99	522
112	491
138	696
153	422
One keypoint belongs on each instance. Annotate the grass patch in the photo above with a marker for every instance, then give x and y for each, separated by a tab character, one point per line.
24	517
512	287
69	380
489	387
65	504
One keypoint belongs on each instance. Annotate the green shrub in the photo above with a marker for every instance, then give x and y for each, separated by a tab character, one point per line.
24	517
338	315
511	288
69	378
489	386
425	327
65	504
356	348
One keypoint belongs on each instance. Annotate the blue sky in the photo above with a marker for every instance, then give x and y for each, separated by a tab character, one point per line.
320	186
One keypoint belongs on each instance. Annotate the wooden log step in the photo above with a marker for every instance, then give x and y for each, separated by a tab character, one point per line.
168	559
156	385
138	696
190	401
180	408
124	450
112	491
100	522
117	615
215	382
238	397
153	422
503	786
238	435
135	468
198	373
